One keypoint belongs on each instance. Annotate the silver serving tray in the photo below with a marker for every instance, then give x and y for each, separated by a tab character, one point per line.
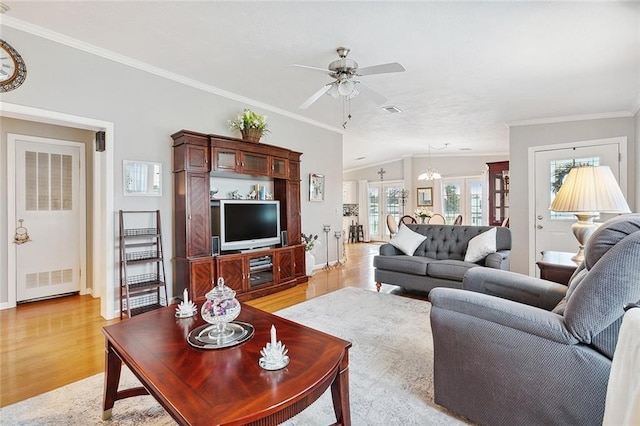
238	332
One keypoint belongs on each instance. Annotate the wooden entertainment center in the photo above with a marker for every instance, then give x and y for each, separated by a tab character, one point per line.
197	157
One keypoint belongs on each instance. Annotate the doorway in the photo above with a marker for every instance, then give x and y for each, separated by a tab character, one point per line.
551	231
384	198
49	203
102	201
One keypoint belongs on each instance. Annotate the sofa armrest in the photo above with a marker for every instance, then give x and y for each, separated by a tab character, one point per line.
517	316
498	260
513	286
389	250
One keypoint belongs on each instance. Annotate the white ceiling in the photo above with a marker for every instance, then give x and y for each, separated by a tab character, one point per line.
472	68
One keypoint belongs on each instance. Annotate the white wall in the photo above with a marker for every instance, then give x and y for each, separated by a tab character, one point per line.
525	136
146	109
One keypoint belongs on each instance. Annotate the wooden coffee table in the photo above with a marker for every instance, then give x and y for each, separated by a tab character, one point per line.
225	386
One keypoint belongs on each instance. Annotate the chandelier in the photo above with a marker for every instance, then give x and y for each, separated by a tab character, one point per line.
431	173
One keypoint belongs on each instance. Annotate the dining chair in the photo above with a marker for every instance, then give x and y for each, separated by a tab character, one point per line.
408	219
437	219
392	225
458	220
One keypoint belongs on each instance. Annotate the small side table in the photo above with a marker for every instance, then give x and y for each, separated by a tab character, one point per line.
557	266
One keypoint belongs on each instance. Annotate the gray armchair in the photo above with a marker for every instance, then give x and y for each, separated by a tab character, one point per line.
511	349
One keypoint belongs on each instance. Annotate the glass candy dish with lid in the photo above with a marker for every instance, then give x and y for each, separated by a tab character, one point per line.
220	309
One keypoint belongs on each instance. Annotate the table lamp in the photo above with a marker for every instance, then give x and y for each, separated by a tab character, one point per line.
586	192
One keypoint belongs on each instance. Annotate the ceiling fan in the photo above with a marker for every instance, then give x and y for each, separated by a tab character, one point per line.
345	71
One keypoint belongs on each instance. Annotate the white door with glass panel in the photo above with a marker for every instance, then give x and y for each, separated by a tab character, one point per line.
553	229
384	198
48	205
463	196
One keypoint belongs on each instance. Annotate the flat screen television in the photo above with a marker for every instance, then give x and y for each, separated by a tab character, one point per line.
246	224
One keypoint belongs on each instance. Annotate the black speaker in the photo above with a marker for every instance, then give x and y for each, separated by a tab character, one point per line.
284	239
215	246
101	139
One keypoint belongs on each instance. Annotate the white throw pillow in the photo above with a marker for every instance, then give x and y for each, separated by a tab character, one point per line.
406	240
481	245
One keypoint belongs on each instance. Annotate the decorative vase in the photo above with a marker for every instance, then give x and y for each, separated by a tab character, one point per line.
310	262
251	135
423	219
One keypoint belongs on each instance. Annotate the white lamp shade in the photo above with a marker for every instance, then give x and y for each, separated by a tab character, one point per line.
590	189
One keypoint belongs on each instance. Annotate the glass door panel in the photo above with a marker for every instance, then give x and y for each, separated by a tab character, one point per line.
385	198
374	212
463	196
451	202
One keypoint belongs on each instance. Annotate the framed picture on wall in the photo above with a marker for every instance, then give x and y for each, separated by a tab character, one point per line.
316	187
425	196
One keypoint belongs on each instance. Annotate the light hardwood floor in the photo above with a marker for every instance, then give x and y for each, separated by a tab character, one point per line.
48	344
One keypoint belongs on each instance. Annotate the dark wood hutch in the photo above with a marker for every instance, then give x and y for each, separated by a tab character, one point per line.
197	157
498	192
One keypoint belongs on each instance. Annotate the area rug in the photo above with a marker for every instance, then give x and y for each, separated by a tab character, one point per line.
390	371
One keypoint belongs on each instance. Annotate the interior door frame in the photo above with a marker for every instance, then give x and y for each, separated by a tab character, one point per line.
12	140
622	143
104	249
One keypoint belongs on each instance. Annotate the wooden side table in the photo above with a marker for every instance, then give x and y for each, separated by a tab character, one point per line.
557	266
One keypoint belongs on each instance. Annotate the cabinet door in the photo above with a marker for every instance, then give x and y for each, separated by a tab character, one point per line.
258	164
294	216
225	160
201	274
299	265
285	262
280	167
294	170
233	270
198	235
262	270
197	158
498	206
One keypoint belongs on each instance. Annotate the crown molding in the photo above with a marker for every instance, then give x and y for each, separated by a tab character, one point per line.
551	120
133	63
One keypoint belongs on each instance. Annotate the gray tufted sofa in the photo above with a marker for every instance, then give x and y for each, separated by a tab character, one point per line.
439	260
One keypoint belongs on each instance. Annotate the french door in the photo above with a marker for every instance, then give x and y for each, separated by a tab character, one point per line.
463	196
384	198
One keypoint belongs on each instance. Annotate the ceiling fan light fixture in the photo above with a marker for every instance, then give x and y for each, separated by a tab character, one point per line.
346	87
333	91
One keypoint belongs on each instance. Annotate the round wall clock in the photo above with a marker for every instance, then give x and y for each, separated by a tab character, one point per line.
13	70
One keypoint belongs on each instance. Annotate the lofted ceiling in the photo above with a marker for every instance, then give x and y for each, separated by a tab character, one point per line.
472	68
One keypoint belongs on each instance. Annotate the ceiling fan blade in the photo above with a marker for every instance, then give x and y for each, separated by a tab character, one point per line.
311	68
306	104
370	93
381	69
